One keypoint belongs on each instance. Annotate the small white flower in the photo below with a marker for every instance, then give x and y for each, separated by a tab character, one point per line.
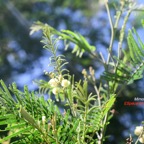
53	82
141	139
65	83
56	90
138	130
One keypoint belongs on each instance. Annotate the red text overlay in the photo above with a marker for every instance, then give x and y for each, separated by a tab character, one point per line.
130	103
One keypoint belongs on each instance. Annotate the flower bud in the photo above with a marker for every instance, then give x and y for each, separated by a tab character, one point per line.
141	139
53	82
56	90
43	119
84	72
138	130
65	83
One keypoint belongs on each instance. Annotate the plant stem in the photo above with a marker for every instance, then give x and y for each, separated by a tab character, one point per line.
119	55
98	95
122	32
85	120
112	31
121	38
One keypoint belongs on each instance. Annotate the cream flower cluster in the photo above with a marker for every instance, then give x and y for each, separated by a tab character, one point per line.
57	83
139	132
54	82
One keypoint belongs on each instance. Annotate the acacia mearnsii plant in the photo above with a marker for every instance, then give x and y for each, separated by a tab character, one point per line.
29	118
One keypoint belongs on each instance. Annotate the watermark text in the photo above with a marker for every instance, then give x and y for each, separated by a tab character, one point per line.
133	103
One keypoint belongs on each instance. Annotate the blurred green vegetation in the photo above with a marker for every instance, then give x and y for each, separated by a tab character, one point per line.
22	56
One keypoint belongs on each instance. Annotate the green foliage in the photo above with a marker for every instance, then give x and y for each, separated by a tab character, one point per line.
131	66
81	44
31	119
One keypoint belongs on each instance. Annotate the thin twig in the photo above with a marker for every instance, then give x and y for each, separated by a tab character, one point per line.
112	31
